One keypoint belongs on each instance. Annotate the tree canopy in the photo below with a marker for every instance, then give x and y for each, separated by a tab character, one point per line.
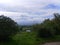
8	27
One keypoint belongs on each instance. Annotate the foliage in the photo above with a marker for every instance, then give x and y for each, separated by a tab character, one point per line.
48	28
56	22
8	28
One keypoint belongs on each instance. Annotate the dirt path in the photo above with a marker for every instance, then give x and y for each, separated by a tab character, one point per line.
52	43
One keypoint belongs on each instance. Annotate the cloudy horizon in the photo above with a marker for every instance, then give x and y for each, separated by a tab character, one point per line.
29	11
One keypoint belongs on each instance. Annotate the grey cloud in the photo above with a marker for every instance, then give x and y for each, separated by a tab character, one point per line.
33	11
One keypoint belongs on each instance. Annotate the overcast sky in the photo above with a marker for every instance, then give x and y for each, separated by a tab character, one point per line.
29	11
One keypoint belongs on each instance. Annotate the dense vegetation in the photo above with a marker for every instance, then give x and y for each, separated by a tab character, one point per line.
47	31
49	28
8	28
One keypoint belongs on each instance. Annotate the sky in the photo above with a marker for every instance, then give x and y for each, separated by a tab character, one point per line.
27	12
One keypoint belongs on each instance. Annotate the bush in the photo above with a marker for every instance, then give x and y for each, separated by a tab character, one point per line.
8	28
44	33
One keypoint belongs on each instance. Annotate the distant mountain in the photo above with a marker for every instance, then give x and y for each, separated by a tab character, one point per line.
28	24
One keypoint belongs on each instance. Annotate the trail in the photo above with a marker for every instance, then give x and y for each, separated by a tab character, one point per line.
52	43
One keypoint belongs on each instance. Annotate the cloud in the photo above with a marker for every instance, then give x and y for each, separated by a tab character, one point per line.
29	11
51	6
24	18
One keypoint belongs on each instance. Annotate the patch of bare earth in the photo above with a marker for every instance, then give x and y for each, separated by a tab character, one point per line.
52	43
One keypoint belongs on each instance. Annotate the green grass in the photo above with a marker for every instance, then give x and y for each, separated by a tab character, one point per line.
25	38
29	38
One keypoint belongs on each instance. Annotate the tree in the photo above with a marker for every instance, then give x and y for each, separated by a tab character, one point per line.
56	22
8	28
50	28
